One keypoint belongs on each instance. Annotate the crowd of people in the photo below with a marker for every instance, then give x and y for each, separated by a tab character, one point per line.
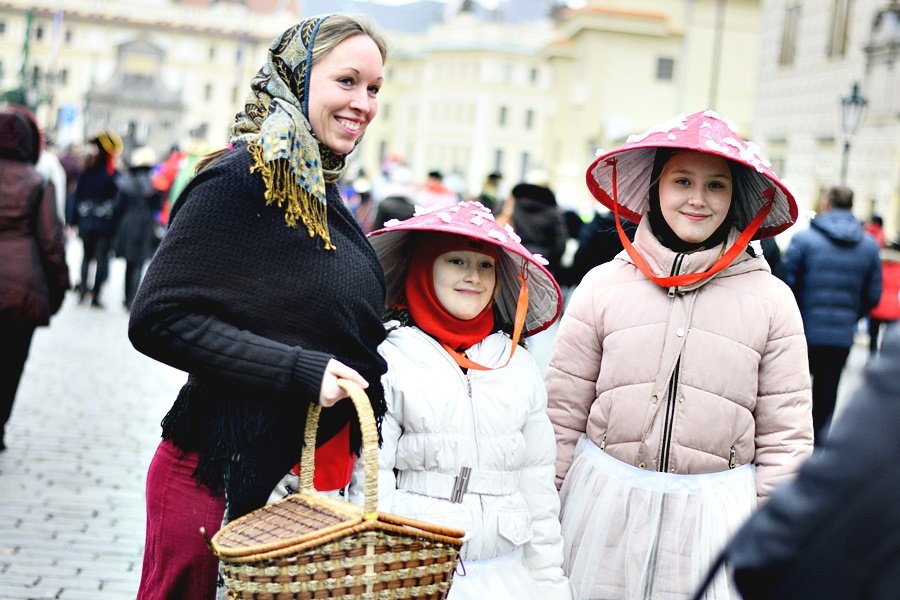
693	374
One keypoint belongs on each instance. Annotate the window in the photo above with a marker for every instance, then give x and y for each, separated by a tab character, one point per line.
498	159
212	53
789	35
501	118
665	68
529	118
2	27
63	76
68	36
207	92
840	20
524	166
385	112
234	94
533	75
39	32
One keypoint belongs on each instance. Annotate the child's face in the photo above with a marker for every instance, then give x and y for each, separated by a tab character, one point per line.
464	282
695	194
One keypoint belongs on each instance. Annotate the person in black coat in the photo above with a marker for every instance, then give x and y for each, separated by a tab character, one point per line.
532	211
94	214
137	203
834	532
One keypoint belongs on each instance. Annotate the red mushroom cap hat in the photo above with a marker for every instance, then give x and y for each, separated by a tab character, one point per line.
704	131
393	244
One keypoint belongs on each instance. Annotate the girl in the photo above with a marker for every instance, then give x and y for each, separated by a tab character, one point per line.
467	442
678	384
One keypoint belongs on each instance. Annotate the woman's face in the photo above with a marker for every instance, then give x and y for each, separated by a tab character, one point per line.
464	282
695	194
343	90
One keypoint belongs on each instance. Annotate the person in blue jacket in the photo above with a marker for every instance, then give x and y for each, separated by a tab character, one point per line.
835	273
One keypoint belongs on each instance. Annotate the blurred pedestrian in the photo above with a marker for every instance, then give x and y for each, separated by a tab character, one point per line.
875	227
834	532
434	194
677	386
888	308
51	169
137	204
73	164
94	214
490	191
266	292
598	243
532	211
34	276
835	273
465	402
398	201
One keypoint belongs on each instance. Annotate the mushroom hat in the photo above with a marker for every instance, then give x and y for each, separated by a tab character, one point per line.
620	179
518	270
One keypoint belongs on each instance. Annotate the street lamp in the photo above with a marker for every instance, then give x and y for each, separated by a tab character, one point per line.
853	106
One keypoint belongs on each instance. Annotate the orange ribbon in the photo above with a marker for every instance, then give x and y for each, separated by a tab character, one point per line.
726	259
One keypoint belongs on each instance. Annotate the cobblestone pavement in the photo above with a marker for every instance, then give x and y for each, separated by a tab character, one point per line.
83	430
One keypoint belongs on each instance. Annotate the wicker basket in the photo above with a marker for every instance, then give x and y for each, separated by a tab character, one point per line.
309	546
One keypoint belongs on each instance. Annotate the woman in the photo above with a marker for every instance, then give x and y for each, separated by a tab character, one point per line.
265	290
678	384
463	398
137	203
34	276
94	213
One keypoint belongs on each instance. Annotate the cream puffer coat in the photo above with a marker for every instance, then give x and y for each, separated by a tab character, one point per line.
441	419
689	380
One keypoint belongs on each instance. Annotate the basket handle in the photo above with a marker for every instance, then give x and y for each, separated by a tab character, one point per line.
369	444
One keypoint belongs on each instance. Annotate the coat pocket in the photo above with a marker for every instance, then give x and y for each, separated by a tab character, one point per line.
515	526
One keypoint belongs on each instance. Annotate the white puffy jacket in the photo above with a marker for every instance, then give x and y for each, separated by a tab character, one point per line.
441	419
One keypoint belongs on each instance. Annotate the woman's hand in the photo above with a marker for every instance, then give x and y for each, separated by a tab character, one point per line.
330	391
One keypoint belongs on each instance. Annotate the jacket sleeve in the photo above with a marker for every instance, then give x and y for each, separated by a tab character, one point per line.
52	247
387	454
180	318
783	413
872	285
544	553
571	379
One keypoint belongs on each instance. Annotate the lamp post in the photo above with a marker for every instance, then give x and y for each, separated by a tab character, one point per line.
853	106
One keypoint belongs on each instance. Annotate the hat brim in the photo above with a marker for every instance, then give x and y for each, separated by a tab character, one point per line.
634	166
394	244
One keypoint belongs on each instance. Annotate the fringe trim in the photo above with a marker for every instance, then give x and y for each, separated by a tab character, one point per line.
283	190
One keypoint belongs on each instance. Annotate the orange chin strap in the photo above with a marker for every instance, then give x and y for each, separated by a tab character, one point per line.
740	244
521	308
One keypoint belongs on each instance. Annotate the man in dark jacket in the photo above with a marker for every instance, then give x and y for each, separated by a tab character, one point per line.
834	270
834	532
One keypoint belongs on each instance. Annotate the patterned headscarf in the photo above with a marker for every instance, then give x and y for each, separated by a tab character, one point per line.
275	124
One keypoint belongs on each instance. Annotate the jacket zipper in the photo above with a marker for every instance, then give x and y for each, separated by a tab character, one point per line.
732	458
673	388
671	397
676	266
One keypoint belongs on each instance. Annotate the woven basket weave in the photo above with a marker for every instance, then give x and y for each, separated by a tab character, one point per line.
308	546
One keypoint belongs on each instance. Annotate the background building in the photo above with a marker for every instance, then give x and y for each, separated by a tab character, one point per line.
811	54
518	85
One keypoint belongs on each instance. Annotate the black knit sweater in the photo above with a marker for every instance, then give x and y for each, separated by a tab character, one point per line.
253	310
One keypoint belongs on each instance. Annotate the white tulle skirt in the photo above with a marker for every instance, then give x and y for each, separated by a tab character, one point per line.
635	534
500	578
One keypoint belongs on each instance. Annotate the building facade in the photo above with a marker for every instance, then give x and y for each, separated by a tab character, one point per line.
476	92
811	54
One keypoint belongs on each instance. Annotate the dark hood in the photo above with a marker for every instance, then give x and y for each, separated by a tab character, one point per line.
840	226
539	194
